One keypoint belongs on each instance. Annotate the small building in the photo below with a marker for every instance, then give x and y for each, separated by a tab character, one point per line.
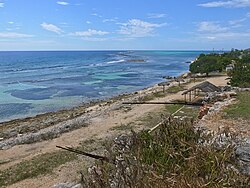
204	87
229	67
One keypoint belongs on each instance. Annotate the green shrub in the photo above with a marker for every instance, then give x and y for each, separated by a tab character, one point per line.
172	156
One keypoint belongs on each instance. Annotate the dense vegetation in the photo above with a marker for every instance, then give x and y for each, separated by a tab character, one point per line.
208	63
173	156
239	59
240	75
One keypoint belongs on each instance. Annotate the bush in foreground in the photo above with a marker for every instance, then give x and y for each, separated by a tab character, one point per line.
173	156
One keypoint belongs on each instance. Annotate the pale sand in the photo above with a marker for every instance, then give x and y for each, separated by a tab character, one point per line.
100	127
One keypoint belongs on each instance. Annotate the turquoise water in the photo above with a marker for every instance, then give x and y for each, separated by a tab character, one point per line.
36	82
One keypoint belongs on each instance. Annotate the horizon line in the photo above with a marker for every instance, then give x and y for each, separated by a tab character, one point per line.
79	50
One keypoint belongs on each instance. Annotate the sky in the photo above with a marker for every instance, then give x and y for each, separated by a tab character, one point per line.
124	24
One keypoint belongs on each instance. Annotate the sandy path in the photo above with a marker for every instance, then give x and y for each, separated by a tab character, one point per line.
99	128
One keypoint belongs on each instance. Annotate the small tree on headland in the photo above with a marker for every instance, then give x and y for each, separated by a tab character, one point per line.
206	64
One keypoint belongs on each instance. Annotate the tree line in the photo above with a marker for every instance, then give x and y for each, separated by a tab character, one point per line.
214	62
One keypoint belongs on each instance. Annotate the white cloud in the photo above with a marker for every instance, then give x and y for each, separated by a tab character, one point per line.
156	15
14	35
88	22
237	23
51	27
214	31
89	33
211	27
1	5
12	29
97	15
62	3
225	36
94	39
138	28
227	4
10	22
210	37
109	20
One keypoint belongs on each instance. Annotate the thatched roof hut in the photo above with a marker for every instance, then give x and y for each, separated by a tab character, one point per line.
205	87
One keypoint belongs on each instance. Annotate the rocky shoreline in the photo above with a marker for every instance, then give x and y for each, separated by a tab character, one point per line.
53	124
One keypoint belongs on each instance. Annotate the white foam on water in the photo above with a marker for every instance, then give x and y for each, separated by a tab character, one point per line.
117	61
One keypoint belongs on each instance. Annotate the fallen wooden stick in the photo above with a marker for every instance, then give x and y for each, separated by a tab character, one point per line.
174	103
85	154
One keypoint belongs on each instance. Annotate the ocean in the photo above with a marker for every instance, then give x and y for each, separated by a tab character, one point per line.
36	82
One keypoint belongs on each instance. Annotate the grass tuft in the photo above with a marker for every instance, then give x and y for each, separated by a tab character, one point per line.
175	89
123	127
39	165
241	109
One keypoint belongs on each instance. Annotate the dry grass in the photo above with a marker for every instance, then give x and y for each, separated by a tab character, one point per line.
124	127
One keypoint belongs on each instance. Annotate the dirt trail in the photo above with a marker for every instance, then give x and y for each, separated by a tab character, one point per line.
99	128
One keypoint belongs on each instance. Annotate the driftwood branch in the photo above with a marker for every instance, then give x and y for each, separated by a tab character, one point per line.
85	154
174	103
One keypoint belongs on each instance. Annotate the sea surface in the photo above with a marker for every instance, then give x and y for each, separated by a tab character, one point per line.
37	82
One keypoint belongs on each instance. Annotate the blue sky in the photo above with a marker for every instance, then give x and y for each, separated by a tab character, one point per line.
128	24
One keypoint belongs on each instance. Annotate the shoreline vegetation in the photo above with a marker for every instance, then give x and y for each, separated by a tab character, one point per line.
171	156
